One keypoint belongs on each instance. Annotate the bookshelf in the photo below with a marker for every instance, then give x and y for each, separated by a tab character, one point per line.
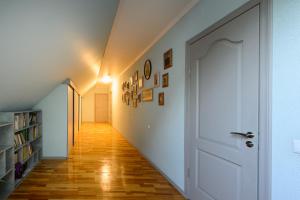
20	147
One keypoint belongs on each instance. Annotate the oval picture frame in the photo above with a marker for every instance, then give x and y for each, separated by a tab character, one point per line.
147	69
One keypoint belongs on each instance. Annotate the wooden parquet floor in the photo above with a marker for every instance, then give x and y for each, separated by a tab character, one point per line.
103	165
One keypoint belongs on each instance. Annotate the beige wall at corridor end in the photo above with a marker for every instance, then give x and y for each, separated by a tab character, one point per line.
88	102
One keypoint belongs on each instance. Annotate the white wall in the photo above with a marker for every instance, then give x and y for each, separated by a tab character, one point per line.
88	101
54	108
286	99
163	143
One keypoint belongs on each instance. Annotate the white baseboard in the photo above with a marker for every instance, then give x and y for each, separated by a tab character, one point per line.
53	158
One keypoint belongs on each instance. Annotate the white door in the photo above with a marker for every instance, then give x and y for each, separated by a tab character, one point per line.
101	108
224	108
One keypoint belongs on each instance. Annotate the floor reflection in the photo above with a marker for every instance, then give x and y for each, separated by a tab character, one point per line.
102	165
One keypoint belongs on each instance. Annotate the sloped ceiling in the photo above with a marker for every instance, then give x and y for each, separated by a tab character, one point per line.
137	26
43	42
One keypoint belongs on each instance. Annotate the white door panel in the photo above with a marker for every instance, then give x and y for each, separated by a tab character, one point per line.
224	99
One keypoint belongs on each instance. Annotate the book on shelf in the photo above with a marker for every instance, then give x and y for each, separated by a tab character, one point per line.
27	152
21	137
20	121
35	132
32	118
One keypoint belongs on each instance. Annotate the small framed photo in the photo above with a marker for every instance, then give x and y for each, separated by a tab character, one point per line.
156	80
147	95
161	99
135	89
165	80
127	85
134	103
136	76
147	69
128	101
131	94
131	80
168	59
139	99
141	82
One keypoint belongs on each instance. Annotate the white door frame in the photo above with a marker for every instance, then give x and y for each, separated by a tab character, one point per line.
264	160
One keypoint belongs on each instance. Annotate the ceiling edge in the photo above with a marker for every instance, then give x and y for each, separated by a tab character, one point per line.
181	14
108	38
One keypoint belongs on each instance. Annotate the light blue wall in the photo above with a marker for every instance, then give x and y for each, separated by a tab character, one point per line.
286	99
163	143
54	108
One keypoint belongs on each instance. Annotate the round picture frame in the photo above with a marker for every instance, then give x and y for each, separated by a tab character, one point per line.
147	69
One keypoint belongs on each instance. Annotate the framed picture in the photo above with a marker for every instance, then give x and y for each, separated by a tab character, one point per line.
128	85
161	99
135	89
136	76
131	80
139	99
124	96
131	94
134	103
156	79
141	82
147	69
128	101
168	59
165	80
147	95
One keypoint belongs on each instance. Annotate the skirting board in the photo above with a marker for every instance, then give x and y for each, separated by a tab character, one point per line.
54	158
157	168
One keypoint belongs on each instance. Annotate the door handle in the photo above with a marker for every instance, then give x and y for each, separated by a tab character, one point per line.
246	135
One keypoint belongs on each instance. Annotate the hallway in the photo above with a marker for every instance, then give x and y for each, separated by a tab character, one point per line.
103	165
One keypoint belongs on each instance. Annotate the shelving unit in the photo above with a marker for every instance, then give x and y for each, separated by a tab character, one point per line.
20	147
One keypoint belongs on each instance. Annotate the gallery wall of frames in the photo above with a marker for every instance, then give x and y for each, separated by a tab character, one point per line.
133	90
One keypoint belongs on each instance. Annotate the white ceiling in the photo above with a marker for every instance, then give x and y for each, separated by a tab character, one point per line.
44	42
139	24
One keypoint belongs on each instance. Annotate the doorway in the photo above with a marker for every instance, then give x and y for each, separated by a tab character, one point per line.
101	108
223	110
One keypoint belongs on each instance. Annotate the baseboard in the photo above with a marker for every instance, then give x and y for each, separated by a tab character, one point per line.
156	167
54	158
